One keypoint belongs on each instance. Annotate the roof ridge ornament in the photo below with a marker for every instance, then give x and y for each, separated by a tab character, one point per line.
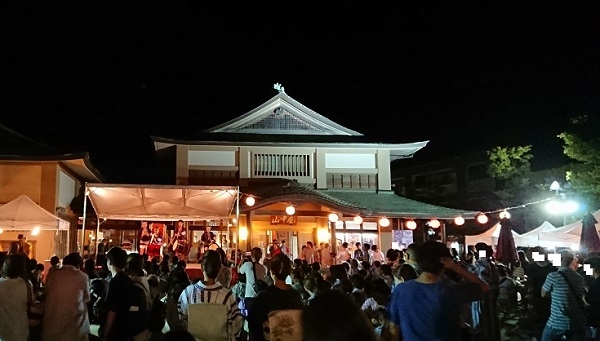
279	87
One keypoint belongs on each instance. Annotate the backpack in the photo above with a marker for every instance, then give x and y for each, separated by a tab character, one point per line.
137	316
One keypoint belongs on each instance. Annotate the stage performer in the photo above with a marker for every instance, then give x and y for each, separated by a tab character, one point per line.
180	244
207	237
156	242
144	237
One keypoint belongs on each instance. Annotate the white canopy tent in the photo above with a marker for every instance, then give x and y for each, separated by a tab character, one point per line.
489	237
160	203
24	215
568	235
531	238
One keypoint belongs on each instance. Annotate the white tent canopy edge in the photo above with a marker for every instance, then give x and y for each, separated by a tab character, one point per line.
161	202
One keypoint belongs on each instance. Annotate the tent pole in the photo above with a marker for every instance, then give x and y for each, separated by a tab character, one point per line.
85	195
96	244
237	223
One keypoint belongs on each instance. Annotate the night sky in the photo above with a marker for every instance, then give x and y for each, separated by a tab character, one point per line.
466	77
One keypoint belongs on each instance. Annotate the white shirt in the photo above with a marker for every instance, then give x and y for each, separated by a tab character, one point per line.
377	256
65	313
344	254
14	325
261	273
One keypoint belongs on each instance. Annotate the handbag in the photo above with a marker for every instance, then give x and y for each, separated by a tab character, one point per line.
584	307
35	309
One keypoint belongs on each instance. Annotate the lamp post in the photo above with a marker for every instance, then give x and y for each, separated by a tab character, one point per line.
562	206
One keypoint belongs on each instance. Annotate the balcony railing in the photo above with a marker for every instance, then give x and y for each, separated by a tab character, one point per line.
281	165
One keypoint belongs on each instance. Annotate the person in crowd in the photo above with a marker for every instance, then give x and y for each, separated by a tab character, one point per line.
366	254
225	273
518	273
89	268
279	296
211	291
428	308
253	271
21	246
592	297
67	295
285	249
297	284
14	325
310	254
343	253
565	288
134	269
484	317
358	253
536	274
376	255
54	265
392	257
118	300
334	316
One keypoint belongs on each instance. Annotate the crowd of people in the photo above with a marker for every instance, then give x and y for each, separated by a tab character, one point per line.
424	292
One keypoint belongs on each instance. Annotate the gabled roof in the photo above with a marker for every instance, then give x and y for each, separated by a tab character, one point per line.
19	148
349	202
282	115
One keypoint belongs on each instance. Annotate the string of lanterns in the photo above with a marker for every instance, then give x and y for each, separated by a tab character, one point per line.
481	218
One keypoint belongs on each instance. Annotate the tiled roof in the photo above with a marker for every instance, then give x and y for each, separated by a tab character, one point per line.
13	144
350	202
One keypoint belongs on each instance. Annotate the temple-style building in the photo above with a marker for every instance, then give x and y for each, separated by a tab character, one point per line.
303	178
49	177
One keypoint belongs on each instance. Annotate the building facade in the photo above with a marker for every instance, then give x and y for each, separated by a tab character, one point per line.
48	176
289	158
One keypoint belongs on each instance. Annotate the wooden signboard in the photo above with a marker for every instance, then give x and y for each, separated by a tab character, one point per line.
284	219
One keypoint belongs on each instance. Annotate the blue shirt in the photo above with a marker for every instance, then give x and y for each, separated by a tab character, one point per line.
430	311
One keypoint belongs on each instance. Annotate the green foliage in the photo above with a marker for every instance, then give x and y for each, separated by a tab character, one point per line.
584	173
507	163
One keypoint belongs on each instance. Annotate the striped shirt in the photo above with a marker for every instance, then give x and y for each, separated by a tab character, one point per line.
566	312
201	293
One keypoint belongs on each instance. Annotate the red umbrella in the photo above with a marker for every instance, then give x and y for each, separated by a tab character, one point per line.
589	242
506	252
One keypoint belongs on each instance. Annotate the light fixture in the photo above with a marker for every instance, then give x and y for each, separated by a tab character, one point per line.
482	218
385	222
1	230
243	233
504	215
434	223
35	231
411	225
290	210
333	217
233	220
358	220
459	220
250	201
